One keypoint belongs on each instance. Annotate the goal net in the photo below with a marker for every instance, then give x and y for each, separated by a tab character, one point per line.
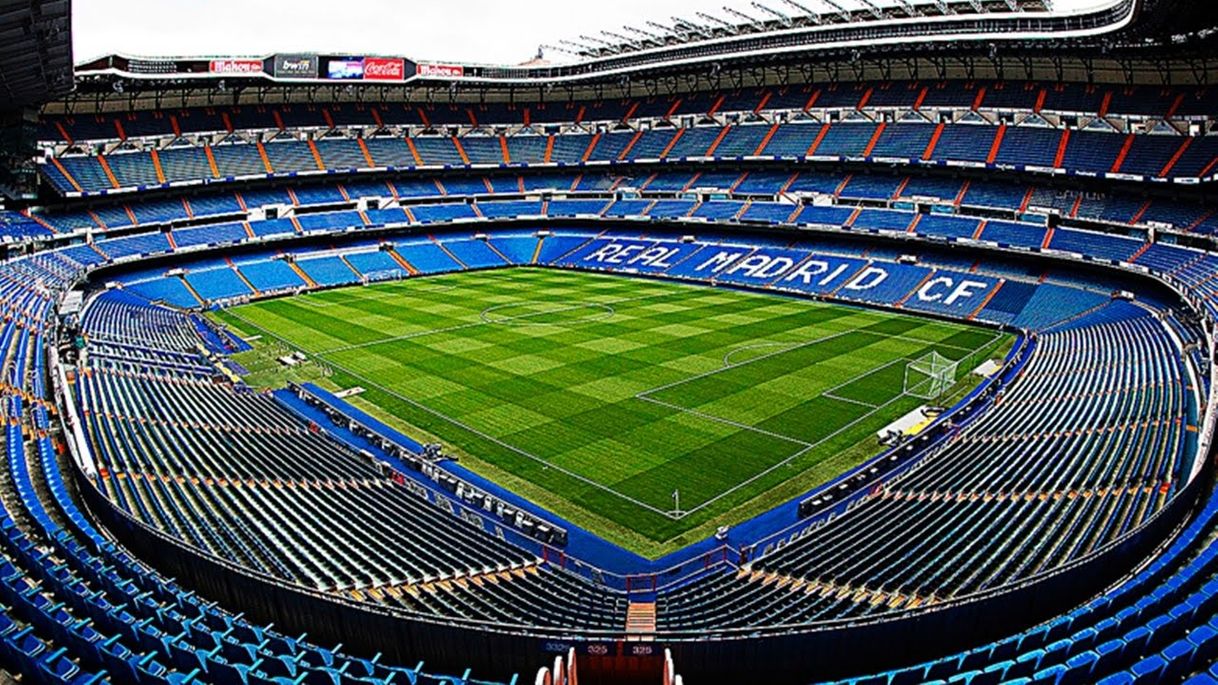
930	377
384	275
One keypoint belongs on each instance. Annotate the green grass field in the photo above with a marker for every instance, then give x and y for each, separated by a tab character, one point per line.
598	396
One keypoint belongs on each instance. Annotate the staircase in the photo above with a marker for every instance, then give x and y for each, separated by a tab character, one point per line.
641	618
505	258
303	276
193	293
402	261
241	276
448	252
351	266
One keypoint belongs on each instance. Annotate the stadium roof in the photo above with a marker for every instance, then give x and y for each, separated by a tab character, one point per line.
1112	41
778	16
35	51
871	27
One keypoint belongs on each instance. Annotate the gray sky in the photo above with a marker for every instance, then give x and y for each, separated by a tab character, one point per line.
490	31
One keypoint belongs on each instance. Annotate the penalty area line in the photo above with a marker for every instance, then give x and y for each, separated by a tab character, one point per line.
873	409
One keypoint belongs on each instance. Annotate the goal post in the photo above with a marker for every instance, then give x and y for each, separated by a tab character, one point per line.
930	376
383	275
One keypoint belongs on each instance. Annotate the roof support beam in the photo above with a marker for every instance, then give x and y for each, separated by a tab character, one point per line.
812	16
583	48
689	27
566	51
871	7
841	11
749	21
654	38
605	47
782	18
717	21
625	40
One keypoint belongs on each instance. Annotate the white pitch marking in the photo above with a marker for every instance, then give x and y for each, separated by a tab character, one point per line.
805	447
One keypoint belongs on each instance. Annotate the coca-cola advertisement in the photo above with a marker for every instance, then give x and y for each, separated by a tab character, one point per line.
384	69
440	70
236	66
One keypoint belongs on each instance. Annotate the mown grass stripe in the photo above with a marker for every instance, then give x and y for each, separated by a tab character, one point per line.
551	408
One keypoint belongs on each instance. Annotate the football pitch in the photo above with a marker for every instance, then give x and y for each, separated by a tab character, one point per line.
649	412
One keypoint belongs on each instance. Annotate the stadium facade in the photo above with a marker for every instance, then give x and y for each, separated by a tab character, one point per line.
996	167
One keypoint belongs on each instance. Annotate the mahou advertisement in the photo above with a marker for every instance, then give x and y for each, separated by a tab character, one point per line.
440	70
384	69
236	66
